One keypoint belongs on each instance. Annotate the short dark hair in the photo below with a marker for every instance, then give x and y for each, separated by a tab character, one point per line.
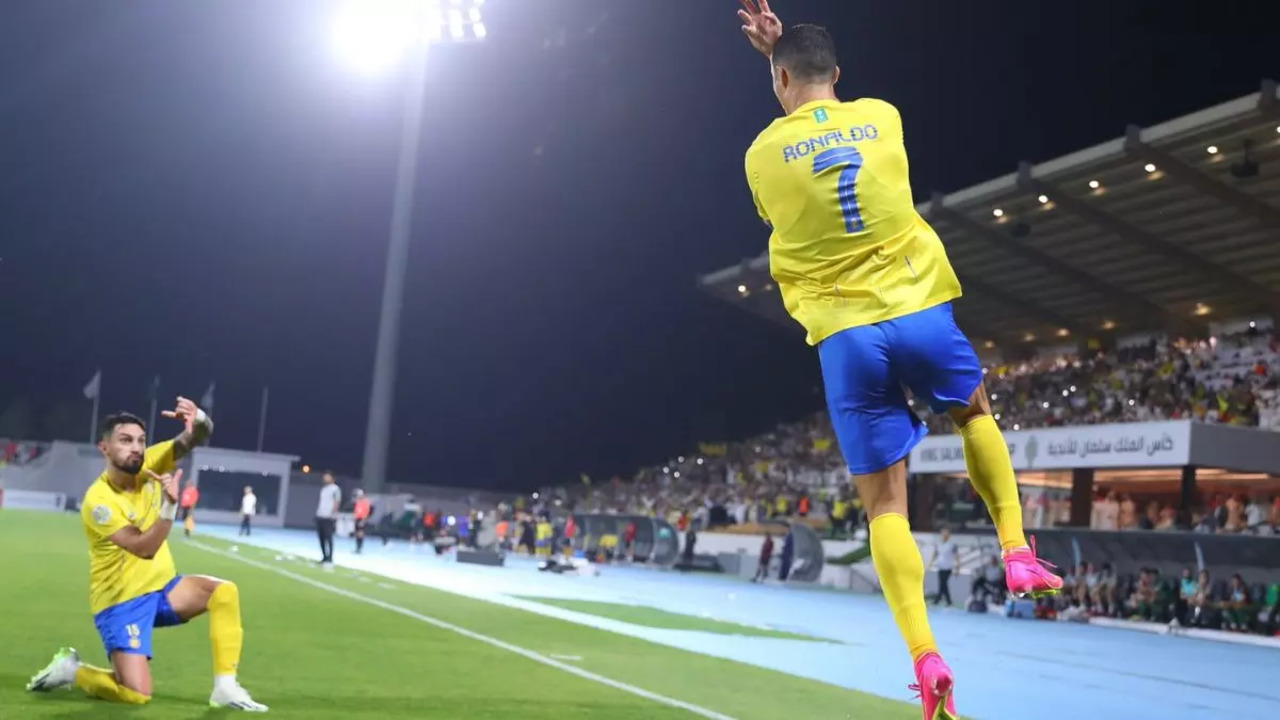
807	52
115	420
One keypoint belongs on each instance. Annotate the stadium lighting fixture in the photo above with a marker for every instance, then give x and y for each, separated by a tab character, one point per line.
1029	337
997	416
1149	167
1253	325
375	36
742	289
1278	128
1045	405
1212	149
1094	184
998	212
1202	309
1063	332
1108	325
989	344
995	396
1016	427
1043	199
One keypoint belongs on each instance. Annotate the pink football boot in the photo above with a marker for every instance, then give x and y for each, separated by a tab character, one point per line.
1025	574
935	684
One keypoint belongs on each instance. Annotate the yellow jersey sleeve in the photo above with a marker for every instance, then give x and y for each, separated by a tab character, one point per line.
753	181
102	513
159	459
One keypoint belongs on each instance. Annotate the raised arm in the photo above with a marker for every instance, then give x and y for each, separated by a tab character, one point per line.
146	543
199	426
761	26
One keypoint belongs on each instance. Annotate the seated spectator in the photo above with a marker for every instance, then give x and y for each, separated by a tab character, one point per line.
1142	602
1102	591
1187	587
1235	609
1201	600
989	583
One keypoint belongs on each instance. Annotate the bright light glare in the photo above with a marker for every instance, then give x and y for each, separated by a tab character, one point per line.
374	34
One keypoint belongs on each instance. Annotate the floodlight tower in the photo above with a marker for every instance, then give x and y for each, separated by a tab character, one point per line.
375	35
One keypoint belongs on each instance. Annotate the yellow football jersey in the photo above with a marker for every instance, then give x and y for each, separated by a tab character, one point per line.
116	575
848	247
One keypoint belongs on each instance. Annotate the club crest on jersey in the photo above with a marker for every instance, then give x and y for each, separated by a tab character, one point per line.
820	115
102	514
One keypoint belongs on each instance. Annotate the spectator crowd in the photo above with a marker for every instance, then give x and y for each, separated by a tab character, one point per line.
796	470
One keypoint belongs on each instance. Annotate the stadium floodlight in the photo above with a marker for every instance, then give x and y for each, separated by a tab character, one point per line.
998	212
375	35
1043	199
1212	149
1149	167
1094	184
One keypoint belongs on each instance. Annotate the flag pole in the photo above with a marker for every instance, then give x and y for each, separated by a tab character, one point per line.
97	398
155	394
262	417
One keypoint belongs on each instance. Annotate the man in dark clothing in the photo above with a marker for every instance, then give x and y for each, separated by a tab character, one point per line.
766	554
788	552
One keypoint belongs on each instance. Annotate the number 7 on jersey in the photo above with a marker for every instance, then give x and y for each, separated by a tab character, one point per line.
849	162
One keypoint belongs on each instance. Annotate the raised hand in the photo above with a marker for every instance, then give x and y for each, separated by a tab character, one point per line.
169	482
761	26
186	411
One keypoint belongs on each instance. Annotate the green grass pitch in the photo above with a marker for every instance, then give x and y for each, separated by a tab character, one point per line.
311	653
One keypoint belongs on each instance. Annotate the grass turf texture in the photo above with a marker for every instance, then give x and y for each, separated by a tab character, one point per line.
313	654
654	618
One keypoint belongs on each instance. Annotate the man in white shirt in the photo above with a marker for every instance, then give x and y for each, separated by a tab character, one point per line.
946	557
327	517
248	508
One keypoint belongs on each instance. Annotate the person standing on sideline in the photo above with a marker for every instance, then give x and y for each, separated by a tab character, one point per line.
946	557
327	517
363	508
190	496
248	508
766	554
788	554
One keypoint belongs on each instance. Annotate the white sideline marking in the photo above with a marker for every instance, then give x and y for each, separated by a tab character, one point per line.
574	658
536	657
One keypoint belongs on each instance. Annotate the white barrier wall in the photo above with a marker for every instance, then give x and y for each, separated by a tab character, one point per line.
975	551
32	500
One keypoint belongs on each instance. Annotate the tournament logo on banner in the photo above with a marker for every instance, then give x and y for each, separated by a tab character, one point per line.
1153	444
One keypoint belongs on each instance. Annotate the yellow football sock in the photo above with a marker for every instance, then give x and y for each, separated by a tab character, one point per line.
225	632
102	684
986	455
901	571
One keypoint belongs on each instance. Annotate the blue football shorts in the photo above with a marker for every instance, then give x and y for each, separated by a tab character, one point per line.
865	369
127	627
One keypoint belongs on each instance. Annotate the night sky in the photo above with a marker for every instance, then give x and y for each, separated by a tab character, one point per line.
202	190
